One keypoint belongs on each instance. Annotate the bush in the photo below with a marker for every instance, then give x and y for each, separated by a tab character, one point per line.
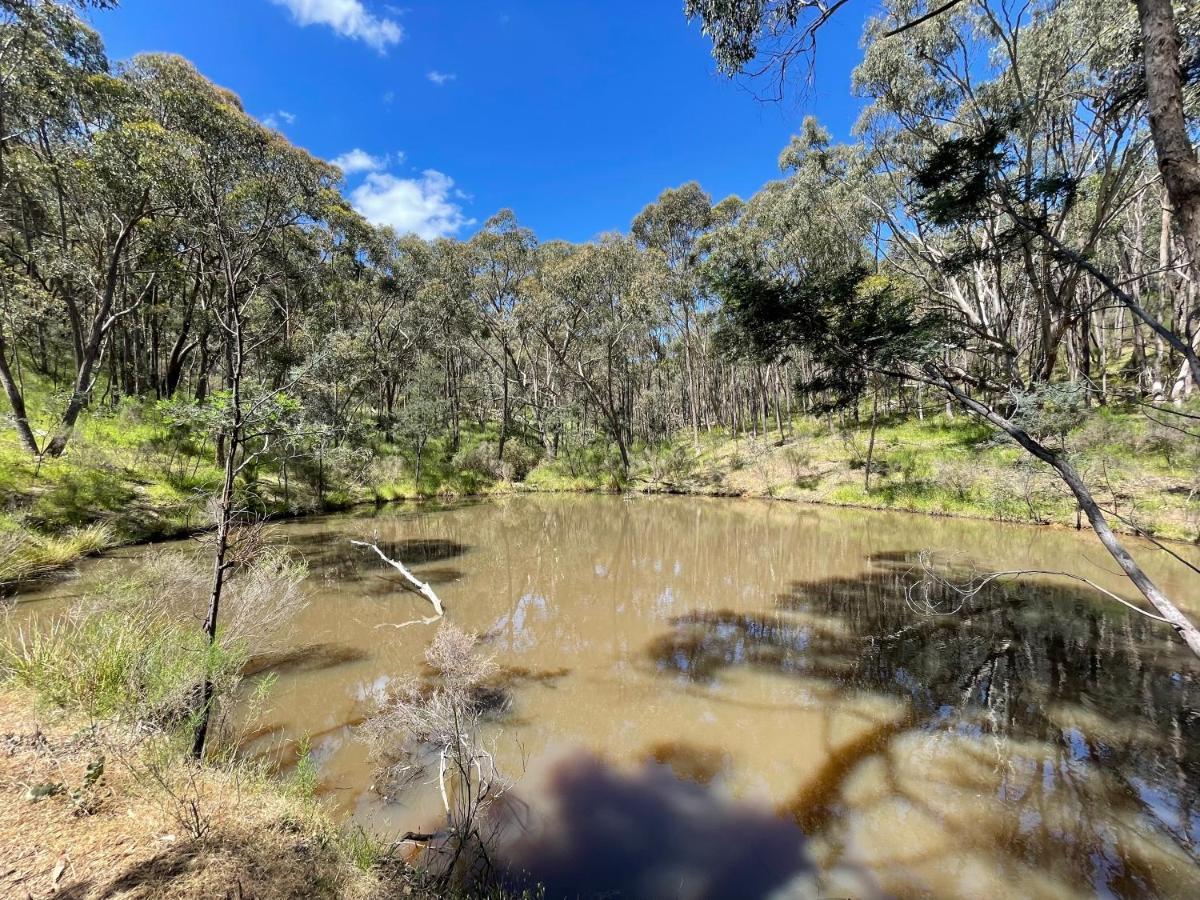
798	461
1173	442
137	657
435	724
483	462
670	464
1051	411
92	661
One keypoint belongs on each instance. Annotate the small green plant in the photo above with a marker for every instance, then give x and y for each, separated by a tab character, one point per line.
306	777
363	849
85	798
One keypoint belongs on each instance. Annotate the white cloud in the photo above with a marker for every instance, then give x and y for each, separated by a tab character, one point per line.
278	119
357	160
421	206
349	18
440	78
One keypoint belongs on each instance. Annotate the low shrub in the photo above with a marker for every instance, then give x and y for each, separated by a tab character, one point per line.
798	461
483	461
670	464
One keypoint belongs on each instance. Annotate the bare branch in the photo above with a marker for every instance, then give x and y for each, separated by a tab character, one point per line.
422	588
932	14
972	586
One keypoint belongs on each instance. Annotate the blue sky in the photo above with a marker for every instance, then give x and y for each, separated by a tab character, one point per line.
574	113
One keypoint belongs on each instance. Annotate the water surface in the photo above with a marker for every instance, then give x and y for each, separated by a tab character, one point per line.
736	698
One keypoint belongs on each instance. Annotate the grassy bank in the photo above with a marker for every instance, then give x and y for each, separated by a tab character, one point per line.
83	814
129	476
99	793
1146	476
132	474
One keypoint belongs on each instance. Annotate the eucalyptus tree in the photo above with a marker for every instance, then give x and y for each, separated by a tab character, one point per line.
601	304
399	317
246	192
1072	160
79	160
1133	70
501	261
674	225
424	409
446	294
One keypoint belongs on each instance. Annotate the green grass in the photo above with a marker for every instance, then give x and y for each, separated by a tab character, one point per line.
130	473
26	554
92	662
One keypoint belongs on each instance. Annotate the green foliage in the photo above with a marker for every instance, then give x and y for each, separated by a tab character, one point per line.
305	778
852	324
90	660
1050	412
484	462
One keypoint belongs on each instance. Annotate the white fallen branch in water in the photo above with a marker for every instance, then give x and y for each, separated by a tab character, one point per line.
422	587
442	779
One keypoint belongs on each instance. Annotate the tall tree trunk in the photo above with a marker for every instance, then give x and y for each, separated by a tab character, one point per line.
1168	125
17	401
503	411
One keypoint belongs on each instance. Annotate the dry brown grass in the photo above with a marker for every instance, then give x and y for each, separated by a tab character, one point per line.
260	842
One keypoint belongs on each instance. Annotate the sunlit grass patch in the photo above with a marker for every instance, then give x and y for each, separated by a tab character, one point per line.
25	554
99	665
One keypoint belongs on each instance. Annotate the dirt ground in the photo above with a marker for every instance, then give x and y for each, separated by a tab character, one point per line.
124	838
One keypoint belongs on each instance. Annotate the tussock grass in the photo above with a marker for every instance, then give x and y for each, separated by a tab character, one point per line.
25	554
131	662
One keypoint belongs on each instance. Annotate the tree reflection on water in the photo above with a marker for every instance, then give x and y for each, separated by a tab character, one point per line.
1043	727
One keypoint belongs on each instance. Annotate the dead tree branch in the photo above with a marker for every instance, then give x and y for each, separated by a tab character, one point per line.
422	587
965	590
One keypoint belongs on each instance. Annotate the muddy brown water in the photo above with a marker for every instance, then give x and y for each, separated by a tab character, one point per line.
739	698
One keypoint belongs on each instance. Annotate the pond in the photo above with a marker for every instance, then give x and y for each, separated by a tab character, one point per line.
737	698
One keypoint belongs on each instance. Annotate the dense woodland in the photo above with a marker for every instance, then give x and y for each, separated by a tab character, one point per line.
1005	254
159	242
1006	236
